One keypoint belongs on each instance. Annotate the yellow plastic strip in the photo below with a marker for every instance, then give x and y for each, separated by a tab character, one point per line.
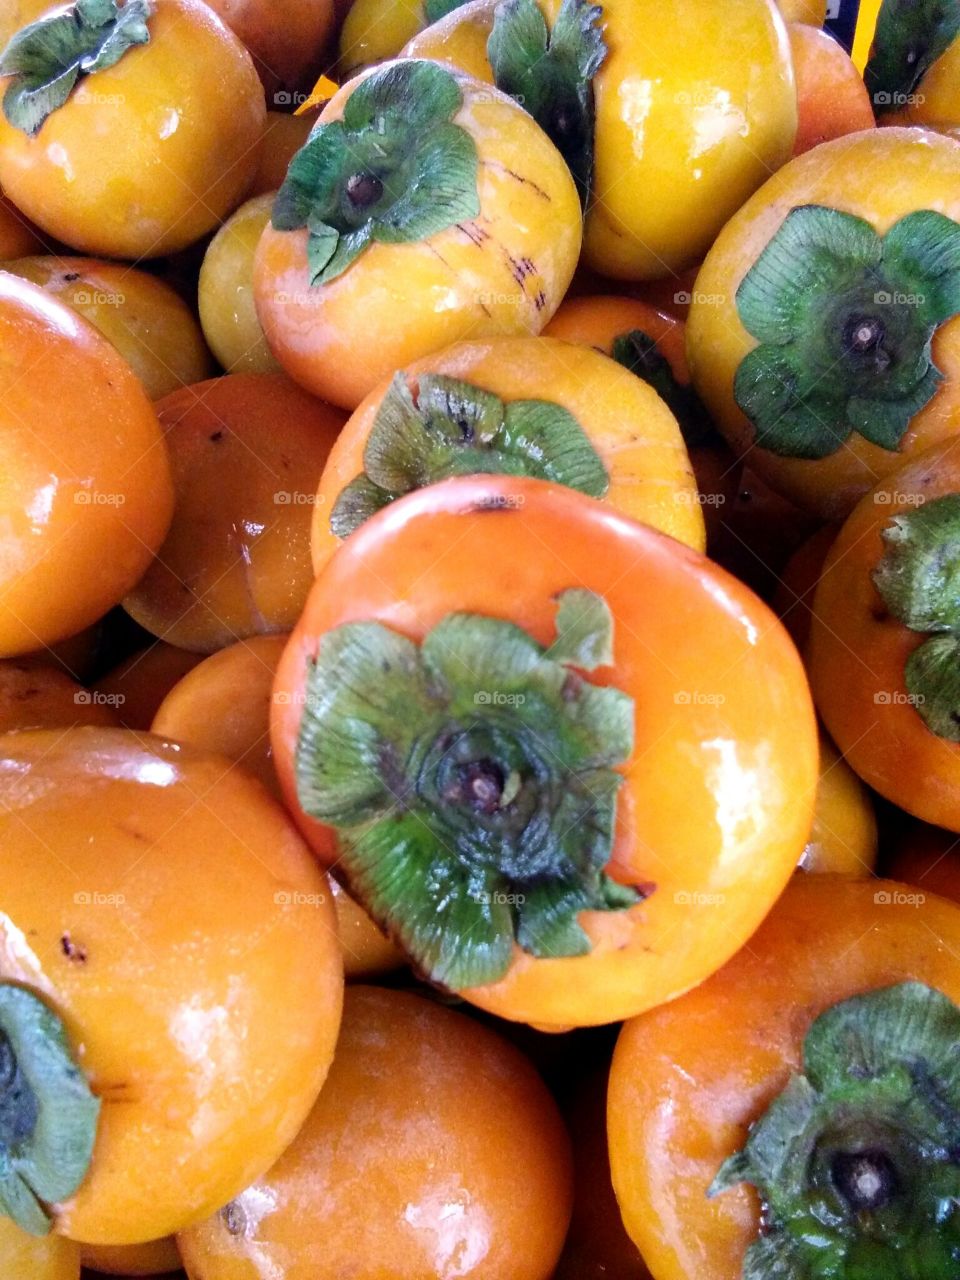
866	26
322	92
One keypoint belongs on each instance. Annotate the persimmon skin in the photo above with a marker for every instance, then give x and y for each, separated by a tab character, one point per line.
813	12
843	838
512	545
375	30
797	584
433	1151
137	686
283	136
223	705
161	930
633	432
857	654
190	111
86	497
929	858
18	236
246	453
285	38
400	302
143	317
880	175
831	96
41	696
688	1079
24	1257
155	1258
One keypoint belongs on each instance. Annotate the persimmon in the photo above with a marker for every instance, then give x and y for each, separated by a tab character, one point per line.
76	656
929	858
816	1067
136	687
426	208
376	30
520	406
843	838
143	317
155	1258
913	73
18	236
128	130
225	291
223	705
26	1257
665	137
434	1150
573	768
652	344
38	696
286	38
154	906
881	650
824	334
246	452
797	583
460	36
756	533
86	496
813	12
283	136
832	99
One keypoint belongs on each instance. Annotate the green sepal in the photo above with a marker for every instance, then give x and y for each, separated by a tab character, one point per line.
471	781
397	132
932	677
638	352
845	320
434	10
48	1114
910	36
918	575
47	58
880	1091
550	73
453	428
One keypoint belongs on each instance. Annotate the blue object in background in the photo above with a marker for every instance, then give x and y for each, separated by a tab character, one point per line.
842	21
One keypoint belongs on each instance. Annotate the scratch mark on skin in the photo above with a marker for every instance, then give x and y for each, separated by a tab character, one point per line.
518	177
72	951
474	232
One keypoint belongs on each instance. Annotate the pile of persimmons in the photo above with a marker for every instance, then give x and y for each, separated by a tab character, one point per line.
479	641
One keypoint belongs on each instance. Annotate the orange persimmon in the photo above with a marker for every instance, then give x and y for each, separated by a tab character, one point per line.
832	99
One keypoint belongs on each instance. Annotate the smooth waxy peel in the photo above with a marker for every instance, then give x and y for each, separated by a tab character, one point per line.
845	320
48	58
856	1161
472	782
48	1115
453	428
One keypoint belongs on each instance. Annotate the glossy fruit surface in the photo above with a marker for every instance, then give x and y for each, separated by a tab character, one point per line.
480	1191
190	112
843	839
144	318
35	696
286	38
688	1079
880	176
642	464
717	798
86	496
246	452
227	310
159	905
137	686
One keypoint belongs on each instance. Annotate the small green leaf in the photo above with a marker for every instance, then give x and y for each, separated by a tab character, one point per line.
910	36
413	90
47	58
918	575
932	676
584	630
316	168
48	1115
434	10
551	74
324	266
443	191
454	428
923	250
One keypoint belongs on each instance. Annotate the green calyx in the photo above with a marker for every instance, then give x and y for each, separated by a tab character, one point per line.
550	73
638	352
48	58
845	320
394	169
911	35
918	578
434	10
472	783
48	1116
857	1162
453	428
